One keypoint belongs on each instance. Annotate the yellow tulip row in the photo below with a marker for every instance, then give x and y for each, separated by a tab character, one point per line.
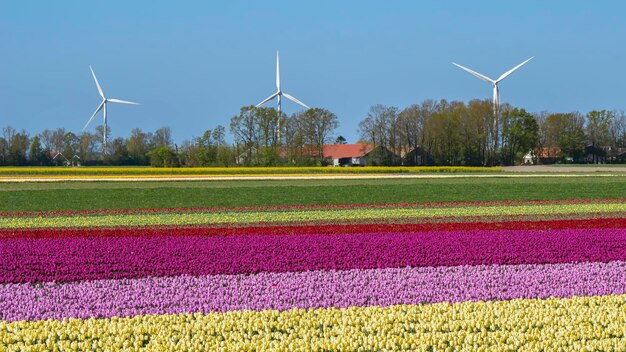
110	171
227	217
576	324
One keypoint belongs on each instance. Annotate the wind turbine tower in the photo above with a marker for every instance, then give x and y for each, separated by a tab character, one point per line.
494	82
103	105
279	94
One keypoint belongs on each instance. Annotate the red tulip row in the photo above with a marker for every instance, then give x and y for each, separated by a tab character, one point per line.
317	228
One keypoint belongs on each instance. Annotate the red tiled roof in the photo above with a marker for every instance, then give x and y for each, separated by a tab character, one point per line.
337	151
548	152
52	155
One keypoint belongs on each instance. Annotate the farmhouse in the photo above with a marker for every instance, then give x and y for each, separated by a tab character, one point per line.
544	155
347	154
358	154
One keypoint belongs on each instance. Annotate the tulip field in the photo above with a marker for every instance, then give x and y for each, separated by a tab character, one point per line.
325	265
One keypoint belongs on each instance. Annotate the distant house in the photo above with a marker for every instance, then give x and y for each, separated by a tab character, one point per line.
414	157
620	156
546	155
358	154
596	154
58	158
347	154
529	158
604	154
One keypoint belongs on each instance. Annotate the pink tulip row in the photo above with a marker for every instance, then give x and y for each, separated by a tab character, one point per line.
310	289
75	259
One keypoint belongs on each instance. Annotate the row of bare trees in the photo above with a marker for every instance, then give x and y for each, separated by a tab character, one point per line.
62	147
261	137
455	133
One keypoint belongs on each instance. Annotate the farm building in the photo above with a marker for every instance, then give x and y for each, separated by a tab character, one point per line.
358	154
544	155
347	154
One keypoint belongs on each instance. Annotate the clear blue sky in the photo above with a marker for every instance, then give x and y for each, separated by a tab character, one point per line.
193	64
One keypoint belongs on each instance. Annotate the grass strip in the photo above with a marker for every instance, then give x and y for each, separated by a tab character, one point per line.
192	194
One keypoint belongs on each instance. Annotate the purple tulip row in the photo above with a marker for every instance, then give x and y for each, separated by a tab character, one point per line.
312	289
72	259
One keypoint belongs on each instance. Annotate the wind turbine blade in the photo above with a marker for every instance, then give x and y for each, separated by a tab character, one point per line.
481	76
94	114
97	84
268	99
295	100
277	72
504	75
122	101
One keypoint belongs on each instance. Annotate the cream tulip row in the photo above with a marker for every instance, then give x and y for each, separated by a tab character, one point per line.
575	324
232	217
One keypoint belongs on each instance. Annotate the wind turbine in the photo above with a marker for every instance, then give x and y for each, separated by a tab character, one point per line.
279	93
494	82
103	105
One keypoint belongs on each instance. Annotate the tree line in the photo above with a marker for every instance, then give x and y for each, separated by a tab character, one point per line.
428	133
456	133
260	138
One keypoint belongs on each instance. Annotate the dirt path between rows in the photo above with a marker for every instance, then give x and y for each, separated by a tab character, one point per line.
564	169
519	174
